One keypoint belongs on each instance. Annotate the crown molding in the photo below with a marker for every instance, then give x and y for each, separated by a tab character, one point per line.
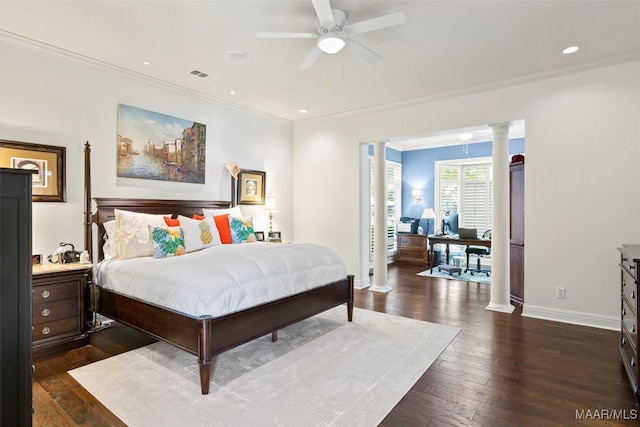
471	90
16	40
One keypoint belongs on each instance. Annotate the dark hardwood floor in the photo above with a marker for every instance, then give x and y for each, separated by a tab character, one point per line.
501	369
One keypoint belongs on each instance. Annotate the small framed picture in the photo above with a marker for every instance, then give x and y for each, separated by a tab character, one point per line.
275	236
251	189
259	236
36	259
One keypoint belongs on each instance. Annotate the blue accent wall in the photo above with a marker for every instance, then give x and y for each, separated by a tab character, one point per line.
418	171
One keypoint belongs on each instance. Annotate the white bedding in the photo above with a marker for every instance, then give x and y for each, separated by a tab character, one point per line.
223	279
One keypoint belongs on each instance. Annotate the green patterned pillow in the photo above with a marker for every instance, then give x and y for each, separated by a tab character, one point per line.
241	230
167	241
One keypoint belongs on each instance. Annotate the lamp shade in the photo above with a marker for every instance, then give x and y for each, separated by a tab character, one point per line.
428	214
270	204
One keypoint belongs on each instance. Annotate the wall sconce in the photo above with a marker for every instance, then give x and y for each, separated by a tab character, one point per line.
416	193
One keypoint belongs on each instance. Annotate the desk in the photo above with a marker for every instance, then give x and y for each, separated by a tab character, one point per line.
447	240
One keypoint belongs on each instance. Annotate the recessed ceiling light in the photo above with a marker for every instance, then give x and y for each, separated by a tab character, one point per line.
570	50
232	92
238	55
303	111
146	62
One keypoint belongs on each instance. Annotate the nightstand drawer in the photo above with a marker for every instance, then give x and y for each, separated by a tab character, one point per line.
59	291
55	310
57	328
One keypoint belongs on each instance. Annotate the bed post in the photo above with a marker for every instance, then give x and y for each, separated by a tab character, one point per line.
88	240
351	295
204	353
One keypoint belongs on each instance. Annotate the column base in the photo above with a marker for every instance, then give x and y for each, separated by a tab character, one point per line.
504	308
384	289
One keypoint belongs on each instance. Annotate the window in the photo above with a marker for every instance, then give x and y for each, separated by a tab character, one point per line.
394	204
465	187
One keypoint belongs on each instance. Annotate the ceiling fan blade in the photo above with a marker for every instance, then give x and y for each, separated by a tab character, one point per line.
310	59
384	21
276	35
323	10
362	52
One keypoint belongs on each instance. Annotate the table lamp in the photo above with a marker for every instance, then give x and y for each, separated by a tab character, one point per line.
428	214
270	207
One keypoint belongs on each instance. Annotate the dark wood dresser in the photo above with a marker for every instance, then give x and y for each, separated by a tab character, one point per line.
15	298
59	307
516	231
629	280
412	249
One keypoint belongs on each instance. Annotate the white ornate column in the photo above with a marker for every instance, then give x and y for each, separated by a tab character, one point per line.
380	274
500	275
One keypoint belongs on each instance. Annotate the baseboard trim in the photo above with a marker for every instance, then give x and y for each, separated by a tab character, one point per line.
361	283
573	317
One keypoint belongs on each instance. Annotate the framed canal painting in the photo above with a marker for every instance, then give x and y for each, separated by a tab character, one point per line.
160	147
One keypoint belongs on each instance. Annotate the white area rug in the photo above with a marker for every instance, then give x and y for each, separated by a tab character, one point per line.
323	371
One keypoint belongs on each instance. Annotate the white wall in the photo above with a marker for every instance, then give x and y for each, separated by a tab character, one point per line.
46	98
581	176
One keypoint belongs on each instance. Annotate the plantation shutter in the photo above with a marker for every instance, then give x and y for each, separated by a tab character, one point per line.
394	205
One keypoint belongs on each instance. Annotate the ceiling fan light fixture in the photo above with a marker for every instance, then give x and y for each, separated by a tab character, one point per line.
331	43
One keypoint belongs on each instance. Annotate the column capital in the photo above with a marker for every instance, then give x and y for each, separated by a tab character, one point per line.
500	129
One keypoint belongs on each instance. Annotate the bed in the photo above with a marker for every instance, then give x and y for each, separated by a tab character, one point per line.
203	335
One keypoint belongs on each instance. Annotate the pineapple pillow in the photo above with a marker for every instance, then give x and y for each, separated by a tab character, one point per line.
199	234
167	241
242	230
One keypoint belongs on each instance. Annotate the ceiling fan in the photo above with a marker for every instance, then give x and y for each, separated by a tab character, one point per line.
333	33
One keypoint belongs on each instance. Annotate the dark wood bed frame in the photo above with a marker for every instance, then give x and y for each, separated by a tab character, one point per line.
204	336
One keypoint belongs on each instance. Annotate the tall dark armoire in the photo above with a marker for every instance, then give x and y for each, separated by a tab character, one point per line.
15	298
516	231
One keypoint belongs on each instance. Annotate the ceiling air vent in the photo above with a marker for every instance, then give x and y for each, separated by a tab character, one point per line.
202	75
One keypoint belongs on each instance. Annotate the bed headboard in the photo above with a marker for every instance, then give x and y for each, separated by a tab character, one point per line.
105	207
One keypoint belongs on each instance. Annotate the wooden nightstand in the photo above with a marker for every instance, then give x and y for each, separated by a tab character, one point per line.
412	248
59	305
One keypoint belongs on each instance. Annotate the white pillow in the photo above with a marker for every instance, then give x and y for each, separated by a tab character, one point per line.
233	212
109	248
199	234
131	232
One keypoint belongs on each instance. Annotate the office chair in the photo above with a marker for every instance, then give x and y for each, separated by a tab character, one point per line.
480	251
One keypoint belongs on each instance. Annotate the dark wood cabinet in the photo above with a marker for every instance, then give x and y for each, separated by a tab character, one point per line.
516	231
629	281
59	307
15	298
412	249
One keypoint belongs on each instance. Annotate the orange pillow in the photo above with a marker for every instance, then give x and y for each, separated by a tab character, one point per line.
198	217
172	222
222	222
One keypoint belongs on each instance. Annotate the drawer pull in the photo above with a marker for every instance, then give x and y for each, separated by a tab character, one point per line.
46	294
46	331
46	312
632	267
633	294
624	312
623	341
633	361
633	328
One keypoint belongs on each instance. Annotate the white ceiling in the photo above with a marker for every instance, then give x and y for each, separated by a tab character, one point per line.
445	48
